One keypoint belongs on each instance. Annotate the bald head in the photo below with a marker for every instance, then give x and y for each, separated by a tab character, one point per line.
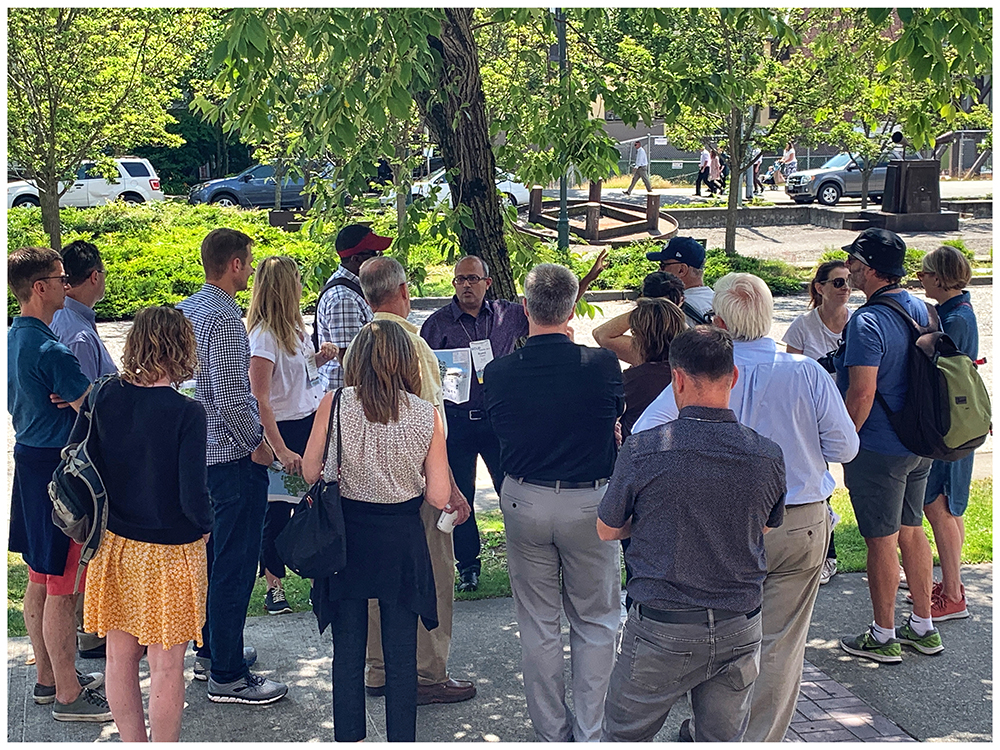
383	280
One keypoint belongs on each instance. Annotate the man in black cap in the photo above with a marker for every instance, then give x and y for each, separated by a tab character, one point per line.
685	258
341	309
886	481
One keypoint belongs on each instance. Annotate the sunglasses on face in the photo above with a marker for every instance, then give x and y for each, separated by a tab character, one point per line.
837	283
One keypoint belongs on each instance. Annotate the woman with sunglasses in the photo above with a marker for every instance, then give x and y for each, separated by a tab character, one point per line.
284	378
817	333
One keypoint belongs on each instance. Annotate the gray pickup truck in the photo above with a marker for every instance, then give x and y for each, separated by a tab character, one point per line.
837	178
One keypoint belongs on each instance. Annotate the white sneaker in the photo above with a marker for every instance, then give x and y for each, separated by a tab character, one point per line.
829	570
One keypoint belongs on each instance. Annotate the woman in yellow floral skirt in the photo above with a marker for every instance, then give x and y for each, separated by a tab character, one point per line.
147	584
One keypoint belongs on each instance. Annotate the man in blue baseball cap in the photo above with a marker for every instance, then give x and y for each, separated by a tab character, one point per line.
685	258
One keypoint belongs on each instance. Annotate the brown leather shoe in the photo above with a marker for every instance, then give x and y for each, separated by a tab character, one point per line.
452	691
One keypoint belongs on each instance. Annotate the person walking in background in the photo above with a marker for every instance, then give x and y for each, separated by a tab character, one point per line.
237	457
341	309
641	169
703	163
886	481
714	173
37	367
758	186
148	580
944	275
817	334
697	526
553	405
383	281
789	162
394	458
76	326
284	379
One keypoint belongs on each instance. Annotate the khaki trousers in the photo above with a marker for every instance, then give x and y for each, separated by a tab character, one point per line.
795	554
432	646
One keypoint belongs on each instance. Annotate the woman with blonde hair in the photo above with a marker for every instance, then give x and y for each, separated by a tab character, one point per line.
944	275
393	457
284	378
147	584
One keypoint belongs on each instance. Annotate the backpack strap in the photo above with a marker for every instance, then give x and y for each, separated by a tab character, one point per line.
350	284
694	314
916	330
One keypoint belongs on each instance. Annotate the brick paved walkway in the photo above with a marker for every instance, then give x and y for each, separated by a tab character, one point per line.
829	712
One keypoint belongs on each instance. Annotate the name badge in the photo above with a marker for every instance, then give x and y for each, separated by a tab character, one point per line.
482	355
312	372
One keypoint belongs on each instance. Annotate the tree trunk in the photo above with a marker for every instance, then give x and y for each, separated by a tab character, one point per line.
732	202
865	176
458	121
48	197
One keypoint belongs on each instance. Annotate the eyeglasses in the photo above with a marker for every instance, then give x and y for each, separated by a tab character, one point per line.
461	280
837	283
62	279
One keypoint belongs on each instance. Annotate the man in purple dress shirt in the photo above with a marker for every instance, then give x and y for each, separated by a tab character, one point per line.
468	318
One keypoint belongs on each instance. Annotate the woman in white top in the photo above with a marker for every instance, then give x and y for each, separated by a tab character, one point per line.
789	160
820	331
394	457
285	381
816	334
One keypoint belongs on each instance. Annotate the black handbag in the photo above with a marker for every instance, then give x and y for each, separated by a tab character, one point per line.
314	543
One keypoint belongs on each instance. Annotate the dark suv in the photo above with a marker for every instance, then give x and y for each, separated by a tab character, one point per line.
251	188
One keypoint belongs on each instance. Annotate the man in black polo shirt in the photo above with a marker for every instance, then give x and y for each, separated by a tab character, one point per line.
553	406
696	497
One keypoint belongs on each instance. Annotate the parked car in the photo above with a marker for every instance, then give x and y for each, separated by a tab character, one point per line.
137	183
251	188
515	192
837	178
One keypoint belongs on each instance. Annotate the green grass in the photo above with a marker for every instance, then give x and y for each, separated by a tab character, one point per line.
495	582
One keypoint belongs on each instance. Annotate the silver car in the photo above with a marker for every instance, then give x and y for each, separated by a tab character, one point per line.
837	178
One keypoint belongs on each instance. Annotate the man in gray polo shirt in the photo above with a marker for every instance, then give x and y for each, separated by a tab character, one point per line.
696	496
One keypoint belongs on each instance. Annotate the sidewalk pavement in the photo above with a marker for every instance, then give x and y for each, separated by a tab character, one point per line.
944	697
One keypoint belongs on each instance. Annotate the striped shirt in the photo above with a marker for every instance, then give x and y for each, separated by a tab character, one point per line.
340	314
222	382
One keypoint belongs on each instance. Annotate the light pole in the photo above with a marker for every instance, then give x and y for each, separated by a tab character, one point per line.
562	225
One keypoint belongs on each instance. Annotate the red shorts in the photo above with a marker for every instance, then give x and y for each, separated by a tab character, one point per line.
62	585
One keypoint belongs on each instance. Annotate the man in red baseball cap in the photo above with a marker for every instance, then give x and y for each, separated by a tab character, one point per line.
341	310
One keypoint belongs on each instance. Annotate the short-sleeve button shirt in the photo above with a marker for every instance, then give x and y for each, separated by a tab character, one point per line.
38	366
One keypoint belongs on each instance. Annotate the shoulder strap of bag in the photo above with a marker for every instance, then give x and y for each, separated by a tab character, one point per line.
692	313
334	412
350	284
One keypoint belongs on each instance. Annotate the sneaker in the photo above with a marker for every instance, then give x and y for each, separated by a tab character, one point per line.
937	589
930	643
829	570
253	689
203	665
943	608
89	706
275	602
867	646
684	733
46	694
468	581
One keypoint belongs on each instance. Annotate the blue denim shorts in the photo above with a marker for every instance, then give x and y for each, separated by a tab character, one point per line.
951	479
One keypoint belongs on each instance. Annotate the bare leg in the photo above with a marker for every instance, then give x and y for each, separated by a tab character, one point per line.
166	692
34	609
122	685
883	578
59	631
949	535
271	579
919	566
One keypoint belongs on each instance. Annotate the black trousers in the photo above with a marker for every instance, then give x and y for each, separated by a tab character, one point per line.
702	179
467	439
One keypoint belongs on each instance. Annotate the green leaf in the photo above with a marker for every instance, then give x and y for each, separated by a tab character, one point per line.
905	15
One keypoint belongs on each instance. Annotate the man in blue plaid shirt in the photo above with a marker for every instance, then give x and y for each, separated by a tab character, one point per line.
237	459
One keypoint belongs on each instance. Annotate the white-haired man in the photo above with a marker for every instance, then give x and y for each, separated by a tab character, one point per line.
793	401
